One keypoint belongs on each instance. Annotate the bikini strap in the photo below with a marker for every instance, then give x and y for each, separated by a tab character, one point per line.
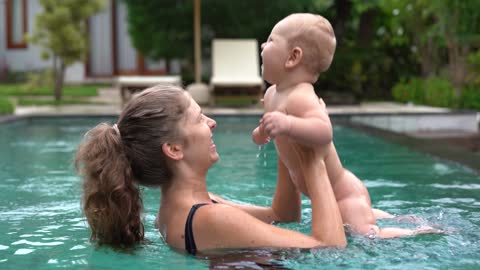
190	245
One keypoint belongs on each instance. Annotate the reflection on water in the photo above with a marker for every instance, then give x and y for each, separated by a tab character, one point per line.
43	226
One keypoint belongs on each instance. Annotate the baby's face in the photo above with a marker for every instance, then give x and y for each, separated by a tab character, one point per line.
275	53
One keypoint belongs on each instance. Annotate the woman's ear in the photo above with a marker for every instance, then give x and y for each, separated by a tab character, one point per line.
294	58
173	150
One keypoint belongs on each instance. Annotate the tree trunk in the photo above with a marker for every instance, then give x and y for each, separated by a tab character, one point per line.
59	76
457	55
457	63
366	30
342	10
428	57
54	68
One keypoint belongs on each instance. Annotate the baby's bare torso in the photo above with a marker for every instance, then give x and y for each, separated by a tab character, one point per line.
302	162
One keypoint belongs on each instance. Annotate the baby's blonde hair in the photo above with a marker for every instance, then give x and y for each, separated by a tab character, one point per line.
314	35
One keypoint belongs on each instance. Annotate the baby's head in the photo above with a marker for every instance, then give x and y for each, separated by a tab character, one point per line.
314	35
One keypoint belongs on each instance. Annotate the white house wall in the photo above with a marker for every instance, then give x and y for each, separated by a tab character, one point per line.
27	59
127	56
101	43
24	59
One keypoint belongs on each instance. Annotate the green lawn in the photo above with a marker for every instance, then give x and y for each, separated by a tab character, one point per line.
6	107
65	101
68	90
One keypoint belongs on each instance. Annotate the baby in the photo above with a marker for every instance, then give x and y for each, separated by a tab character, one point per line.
299	48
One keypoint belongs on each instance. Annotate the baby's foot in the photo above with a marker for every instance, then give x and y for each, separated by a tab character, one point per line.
429	230
409	219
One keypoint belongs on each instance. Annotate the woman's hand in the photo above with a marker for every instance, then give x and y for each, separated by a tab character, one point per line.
217	198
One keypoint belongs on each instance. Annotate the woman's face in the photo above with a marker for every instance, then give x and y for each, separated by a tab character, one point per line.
197	131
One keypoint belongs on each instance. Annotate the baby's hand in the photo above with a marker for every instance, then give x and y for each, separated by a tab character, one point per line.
322	104
258	135
276	123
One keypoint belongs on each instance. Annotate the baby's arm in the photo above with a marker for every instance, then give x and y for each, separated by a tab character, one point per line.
259	136
307	121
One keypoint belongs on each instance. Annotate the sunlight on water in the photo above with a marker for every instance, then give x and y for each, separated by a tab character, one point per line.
43	226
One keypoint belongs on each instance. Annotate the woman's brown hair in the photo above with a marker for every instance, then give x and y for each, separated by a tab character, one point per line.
114	160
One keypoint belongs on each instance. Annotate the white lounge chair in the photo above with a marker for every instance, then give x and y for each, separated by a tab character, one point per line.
235	71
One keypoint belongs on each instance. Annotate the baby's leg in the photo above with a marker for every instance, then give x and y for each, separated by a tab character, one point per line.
373	231
380	214
356	212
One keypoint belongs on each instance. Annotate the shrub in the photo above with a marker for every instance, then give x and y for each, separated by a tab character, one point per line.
470	98
438	92
473	75
6	106
433	91
410	91
38	79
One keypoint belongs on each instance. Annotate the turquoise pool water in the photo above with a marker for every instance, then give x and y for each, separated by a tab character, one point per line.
43	228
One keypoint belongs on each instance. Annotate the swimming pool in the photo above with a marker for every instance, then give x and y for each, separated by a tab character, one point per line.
43	228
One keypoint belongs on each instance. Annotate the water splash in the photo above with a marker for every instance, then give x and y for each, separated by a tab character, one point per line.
24	251
262	154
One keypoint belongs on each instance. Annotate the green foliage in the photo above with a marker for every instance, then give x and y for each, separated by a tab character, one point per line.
378	41
6	106
41	102
61	32
437	92
474	62
470	98
70	90
408	91
168	31
42	79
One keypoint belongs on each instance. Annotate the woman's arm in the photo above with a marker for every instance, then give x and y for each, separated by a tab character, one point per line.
223	226
324	204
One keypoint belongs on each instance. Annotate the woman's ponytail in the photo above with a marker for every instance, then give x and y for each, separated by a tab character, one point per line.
114	160
111	198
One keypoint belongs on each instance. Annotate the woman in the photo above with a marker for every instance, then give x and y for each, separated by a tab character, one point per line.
163	139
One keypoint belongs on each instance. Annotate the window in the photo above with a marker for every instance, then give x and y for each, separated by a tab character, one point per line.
16	23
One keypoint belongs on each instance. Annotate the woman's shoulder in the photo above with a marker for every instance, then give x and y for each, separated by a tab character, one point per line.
218	214
224	226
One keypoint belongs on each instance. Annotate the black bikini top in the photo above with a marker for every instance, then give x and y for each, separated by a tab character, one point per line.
190	245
